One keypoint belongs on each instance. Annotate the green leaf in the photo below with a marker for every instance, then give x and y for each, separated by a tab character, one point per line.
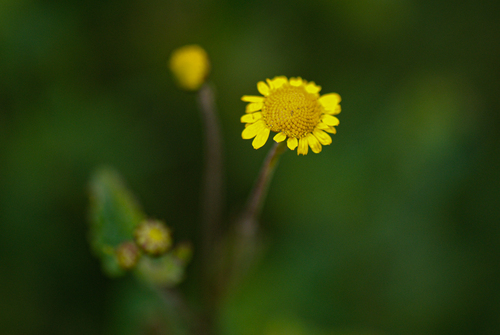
166	270
114	214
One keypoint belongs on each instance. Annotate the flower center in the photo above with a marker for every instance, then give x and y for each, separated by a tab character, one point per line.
156	235
292	110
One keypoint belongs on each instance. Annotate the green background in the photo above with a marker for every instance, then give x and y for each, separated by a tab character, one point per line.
392	229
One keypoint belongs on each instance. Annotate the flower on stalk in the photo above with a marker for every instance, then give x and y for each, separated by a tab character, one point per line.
295	111
154	237
190	66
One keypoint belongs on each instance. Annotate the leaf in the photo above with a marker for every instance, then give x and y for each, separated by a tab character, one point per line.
166	270
114	214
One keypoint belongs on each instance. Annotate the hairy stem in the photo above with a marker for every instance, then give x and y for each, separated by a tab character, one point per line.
249	221
212	205
212	192
246	242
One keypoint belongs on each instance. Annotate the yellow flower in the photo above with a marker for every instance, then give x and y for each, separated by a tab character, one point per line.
153	236
293	109
190	66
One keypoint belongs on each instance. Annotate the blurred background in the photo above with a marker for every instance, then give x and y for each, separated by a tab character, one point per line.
392	229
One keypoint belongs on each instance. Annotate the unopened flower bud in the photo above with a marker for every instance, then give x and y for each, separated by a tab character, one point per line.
127	255
183	252
153	237
190	66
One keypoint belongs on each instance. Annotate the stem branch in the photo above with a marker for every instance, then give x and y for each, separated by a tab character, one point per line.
253	207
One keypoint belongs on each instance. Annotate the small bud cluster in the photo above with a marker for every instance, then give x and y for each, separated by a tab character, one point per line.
151	237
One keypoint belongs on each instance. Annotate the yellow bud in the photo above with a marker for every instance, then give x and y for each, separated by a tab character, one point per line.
190	66
127	255
183	252
153	237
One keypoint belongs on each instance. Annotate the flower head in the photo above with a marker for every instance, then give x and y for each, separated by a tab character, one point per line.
294	110
127	255
153	236
190	66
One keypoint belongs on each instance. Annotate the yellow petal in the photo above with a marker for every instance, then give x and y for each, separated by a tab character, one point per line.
252	130
330	100
303	146
252	98
331	130
277	82
292	143
247	118
334	111
313	88
263	88
280	137
323	137
330	120
261	138
296	81
251	118
253	107
313	143
257	116
323	126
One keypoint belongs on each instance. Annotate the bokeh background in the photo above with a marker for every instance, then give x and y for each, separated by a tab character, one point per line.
392	229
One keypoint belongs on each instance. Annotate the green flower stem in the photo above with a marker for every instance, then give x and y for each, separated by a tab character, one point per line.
211	211
212	193
180	317
249	221
246	242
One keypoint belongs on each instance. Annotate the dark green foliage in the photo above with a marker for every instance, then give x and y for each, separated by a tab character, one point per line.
392	229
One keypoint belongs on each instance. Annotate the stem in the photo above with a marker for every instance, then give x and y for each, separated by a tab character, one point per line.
249	224
181	318
211	211
212	192
246	241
